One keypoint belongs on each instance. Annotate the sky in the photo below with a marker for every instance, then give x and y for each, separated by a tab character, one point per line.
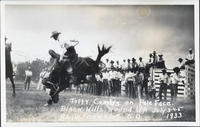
132	31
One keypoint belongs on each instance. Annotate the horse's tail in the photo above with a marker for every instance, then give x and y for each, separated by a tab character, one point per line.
101	52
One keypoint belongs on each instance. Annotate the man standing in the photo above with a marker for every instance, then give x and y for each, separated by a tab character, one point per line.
161	62
28	74
124	66
155	58
134	65
181	63
175	80
129	67
107	64
190	58
163	86
150	59
141	64
130	84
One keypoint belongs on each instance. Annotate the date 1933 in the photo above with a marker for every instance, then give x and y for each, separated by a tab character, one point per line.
174	115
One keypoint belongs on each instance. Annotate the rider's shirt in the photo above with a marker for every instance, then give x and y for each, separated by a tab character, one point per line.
65	44
60	47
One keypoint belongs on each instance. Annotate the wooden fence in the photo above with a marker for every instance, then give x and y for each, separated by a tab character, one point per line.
184	90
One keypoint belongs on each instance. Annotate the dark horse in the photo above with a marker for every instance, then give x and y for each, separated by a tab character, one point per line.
9	68
82	66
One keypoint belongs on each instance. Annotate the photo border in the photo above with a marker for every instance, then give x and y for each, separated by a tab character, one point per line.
100	2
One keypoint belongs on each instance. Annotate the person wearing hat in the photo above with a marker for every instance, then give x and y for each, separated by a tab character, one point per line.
190	57
112	75
65	51
181	63
161	62
129	64
155	57
117	65
134	65
66	47
107	63
176	78
112	64
106	84
141	64
27	82
150	59
130	83
163	85
124	66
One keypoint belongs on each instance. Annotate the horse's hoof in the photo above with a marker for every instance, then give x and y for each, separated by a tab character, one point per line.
13	95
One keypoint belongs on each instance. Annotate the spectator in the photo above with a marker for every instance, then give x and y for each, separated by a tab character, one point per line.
130	84
181	63
112	64
141	64
155	58
124	65
117	66
163	86
176	78
161	62
107	64
150	59
28	74
128	64
134	64
190	58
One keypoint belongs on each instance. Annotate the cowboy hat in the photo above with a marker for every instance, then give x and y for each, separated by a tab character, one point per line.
190	49
180	59
164	70
176	69
133	59
55	33
111	61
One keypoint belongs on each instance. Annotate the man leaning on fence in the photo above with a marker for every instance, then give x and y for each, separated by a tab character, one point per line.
176	78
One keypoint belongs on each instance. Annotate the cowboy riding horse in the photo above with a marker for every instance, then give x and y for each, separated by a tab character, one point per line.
59	78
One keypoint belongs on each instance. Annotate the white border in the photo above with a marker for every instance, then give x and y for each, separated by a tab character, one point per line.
100	2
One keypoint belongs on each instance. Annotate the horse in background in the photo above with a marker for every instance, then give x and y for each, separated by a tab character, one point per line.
9	67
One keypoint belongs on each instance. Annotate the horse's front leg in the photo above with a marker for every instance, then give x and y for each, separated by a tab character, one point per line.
13	85
54	97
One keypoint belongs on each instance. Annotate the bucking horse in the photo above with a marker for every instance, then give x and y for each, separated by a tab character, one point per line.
82	66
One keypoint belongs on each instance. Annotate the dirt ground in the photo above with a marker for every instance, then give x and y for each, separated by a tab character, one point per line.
28	106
